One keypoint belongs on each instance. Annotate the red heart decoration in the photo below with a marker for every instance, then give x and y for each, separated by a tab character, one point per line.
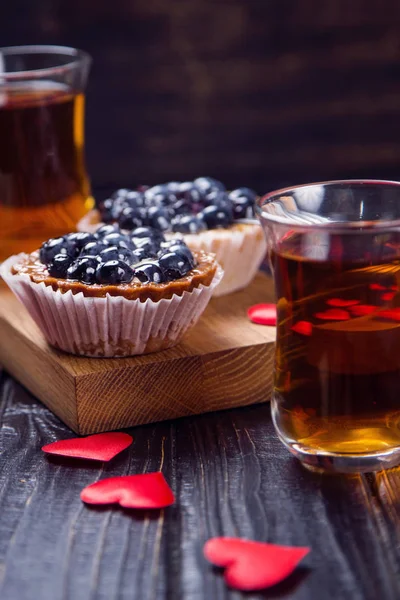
149	490
252	565
388	296
302	327
287	235
362	310
101	446
262	314
393	314
376	286
341	303
333	314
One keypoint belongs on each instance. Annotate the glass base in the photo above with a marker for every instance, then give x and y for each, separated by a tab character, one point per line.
320	461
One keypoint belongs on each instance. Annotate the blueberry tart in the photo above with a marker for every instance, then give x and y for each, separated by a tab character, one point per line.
202	213
113	292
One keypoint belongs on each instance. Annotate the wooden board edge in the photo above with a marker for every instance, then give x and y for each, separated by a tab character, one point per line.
201	389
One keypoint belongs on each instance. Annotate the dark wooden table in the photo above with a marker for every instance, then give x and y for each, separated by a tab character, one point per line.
231	476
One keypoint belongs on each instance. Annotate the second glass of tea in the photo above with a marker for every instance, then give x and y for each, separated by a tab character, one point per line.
334	249
44	187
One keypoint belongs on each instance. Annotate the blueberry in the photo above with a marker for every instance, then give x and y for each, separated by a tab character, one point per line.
159	218
180	207
174	265
71	246
118	207
140	254
218	198
156	190
53	246
206	185
134	199
180	246
114	272
117	239
115	253
93	248
243	192
111	208
59	265
188	224
174	242
179	249
160	195
121	193
216	216
172	186
106	210
148	233
151	246
189	191
105	230
80	239
96	256
131	217
149	273
243	208
243	200
83	269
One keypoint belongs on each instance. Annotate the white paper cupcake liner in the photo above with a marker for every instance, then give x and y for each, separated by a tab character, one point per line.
239	250
111	326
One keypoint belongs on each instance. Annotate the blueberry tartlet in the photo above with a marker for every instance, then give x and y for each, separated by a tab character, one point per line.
111	293
202	213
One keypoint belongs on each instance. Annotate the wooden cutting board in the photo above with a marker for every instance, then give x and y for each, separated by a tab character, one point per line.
223	362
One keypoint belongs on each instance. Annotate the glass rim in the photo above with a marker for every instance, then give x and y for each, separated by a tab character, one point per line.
78	57
331	225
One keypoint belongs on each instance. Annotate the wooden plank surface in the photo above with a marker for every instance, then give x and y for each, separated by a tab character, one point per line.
223	362
231	476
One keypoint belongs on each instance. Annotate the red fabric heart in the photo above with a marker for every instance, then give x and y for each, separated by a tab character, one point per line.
388	296
101	446
287	235
333	314
339	302
393	314
262	314
149	490
252	565
302	327
376	286
361	310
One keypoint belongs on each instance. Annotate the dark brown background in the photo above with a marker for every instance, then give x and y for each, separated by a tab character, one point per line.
252	91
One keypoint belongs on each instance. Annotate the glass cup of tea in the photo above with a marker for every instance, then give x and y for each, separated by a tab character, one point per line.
334	249
44	186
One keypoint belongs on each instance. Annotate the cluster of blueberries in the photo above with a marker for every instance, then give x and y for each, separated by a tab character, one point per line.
110	256
188	207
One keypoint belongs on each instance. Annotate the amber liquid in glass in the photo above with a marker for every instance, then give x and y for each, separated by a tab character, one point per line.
44	188
337	385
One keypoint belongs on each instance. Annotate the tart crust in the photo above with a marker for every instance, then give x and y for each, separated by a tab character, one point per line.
202	274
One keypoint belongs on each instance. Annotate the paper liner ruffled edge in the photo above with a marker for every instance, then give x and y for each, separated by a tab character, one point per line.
240	253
